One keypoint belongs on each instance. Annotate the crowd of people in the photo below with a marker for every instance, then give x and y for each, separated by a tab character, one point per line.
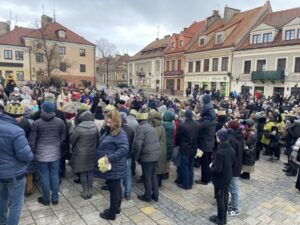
42	128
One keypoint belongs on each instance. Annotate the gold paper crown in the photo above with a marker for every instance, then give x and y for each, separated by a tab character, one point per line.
142	116
15	109
133	112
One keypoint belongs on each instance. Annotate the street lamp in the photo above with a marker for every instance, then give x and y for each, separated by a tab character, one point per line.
107	62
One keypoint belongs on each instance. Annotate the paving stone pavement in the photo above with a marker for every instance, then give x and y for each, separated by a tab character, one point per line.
268	198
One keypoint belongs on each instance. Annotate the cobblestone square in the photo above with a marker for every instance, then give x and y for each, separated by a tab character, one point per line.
268	198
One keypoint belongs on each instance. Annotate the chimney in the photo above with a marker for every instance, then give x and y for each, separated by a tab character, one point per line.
229	13
4	27
214	17
45	20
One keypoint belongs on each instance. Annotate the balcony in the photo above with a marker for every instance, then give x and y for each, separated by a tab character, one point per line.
140	73
173	73
267	76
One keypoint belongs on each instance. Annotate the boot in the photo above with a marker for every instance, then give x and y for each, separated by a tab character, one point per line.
28	187
84	193
89	193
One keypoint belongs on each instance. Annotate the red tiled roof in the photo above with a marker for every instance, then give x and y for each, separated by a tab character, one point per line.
49	31
239	24
277	20
280	18
14	37
188	34
152	50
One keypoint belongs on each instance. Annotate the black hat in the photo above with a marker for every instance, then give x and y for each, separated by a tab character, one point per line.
223	135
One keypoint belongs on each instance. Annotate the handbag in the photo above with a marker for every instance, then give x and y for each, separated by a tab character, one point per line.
175	155
104	164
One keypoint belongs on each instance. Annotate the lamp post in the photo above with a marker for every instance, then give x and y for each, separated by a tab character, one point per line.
107	62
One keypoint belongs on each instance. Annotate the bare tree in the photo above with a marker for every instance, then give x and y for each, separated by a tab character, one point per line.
105	48
49	49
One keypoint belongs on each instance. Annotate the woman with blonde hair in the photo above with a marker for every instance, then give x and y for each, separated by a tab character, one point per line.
113	145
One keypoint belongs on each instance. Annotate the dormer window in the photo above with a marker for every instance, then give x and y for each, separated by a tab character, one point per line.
61	34
201	41
290	35
256	39
181	43
267	38
173	44
219	38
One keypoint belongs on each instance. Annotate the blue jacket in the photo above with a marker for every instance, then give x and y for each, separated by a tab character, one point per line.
15	152
116	149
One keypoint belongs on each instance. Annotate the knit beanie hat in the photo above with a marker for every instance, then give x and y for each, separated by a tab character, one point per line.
222	135
188	114
48	107
49	97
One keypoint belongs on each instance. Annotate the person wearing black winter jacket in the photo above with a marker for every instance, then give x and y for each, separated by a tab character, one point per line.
221	173
236	140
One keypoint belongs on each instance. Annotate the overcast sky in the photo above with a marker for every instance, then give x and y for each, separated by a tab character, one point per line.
129	24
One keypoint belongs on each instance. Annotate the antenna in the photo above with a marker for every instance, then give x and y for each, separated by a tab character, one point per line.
158	31
54	11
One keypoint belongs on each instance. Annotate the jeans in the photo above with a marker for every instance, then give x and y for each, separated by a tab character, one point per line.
11	201
234	190
205	169
222	204
115	190
49	179
150	180
86	179
127	179
187	170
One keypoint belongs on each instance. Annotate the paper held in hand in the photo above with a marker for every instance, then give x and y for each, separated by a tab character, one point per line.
199	153
104	164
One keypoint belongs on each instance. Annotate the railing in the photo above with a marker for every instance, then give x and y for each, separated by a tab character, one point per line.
267	75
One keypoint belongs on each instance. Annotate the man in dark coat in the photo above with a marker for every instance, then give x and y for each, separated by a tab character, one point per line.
187	140
236	140
221	172
206	138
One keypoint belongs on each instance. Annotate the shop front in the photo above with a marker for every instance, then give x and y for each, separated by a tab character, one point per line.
209	82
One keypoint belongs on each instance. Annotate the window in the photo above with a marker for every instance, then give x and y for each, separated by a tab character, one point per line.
61	34
297	65
198	66
215	64
181	42
281	64
82	52
201	41
157	66
206	65
62	50
298	33
168	66
8	73
289	35
19	55
219	38
190	69
173	65
224	63
261	65
179	64
178	84
247	67
173	44
256	39
82	68
7	54
39	45
267	38
20	75
39	57
62	67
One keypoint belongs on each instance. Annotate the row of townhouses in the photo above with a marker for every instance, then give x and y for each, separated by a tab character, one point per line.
28	54
252	51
